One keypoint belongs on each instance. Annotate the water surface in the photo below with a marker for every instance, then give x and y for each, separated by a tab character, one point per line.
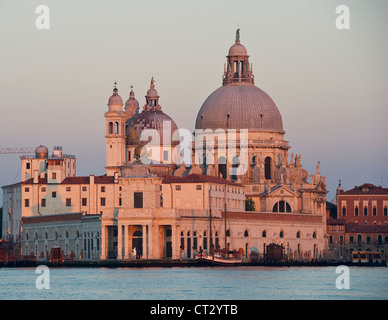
229	283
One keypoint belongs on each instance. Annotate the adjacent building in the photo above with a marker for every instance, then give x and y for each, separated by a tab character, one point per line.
361	223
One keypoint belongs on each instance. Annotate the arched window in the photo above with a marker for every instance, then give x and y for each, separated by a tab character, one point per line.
380	240
267	168
182	240
253	161
195	243
281	206
110	127
222	167
359	239
281	234
344	211
314	235
264	234
246	233
386	211
227	233
298	234
365	211
116	127
233	173
204	240
374	211
356	211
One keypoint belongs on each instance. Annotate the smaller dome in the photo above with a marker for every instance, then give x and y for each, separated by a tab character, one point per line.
152	93
150	120
115	102
131	103
238	50
41	152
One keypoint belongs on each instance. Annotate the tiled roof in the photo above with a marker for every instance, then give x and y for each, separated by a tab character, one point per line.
85	180
363	228
75	180
198	178
52	218
332	221
366	188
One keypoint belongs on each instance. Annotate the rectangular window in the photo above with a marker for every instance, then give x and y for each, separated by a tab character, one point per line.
102	188
198	187
84	189
84	202
43	189
103	201
344	211
26	203
53	175
129	156
68	202
165	155
28	165
120	202
43	202
27	189
68	188
178	187
138	199
54	194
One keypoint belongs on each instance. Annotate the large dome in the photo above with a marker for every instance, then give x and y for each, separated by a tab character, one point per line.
239	107
239	104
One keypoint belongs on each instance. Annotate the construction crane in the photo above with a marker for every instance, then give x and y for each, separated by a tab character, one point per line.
17	150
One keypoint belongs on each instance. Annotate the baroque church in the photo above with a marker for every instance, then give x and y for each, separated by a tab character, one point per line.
240	190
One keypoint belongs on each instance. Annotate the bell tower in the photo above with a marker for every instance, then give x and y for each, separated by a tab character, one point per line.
115	134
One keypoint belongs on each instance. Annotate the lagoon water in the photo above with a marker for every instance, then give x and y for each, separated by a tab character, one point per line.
204	283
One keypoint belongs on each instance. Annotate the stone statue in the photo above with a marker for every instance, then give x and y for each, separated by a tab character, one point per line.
256	174
210	170
152	86
238	35
179	172
195	170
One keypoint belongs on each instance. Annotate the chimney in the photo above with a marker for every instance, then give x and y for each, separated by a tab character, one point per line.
36	175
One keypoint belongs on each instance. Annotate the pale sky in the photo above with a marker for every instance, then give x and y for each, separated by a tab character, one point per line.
330	85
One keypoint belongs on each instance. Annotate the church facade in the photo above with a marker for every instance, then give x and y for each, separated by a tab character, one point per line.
155	202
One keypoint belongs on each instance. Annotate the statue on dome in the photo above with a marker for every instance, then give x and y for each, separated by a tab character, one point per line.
238	35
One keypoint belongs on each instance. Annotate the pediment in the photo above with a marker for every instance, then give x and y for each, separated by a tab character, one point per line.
282	191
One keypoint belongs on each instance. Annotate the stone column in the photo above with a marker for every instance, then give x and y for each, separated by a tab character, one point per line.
126	243
119	241
104	241
175	242
144	240
151	254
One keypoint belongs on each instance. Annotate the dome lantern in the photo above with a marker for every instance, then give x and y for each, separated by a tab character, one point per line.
238	69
